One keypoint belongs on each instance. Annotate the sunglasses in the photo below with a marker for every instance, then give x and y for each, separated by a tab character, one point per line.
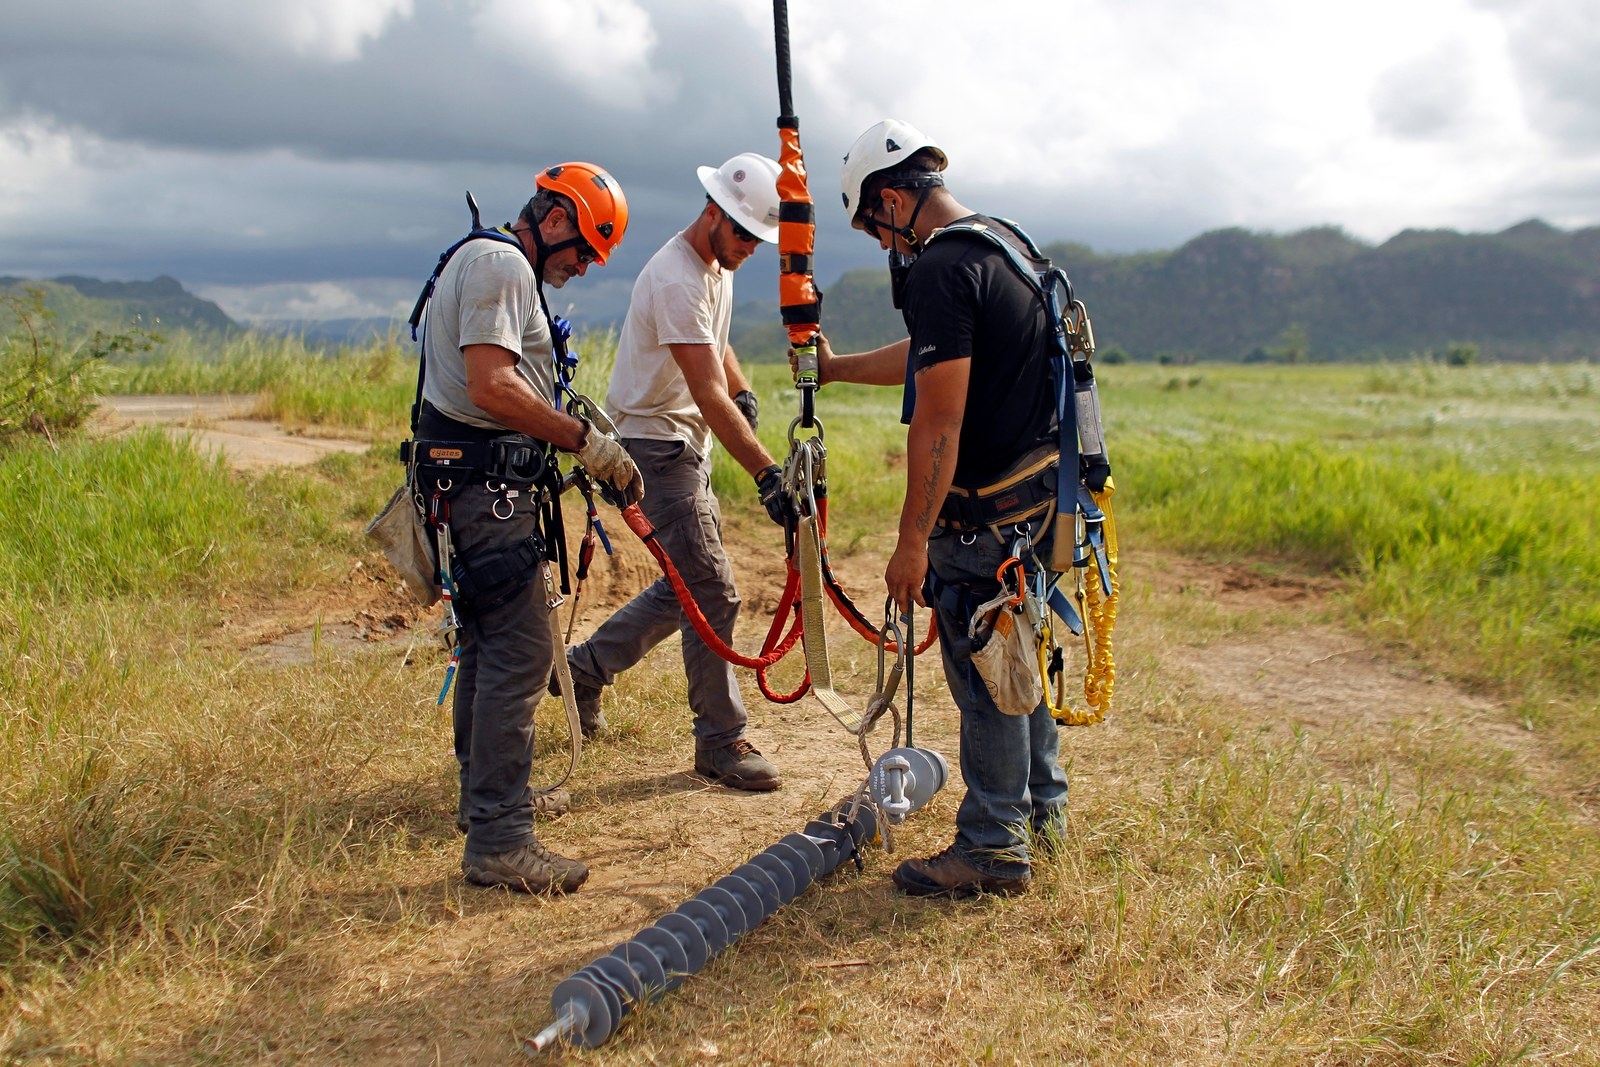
587	254
738	231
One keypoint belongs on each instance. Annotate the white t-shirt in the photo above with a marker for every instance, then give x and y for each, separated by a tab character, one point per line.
678	299
486	296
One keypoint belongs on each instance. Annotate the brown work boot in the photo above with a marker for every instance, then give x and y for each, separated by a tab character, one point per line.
551	804
948	875
591	720
532	868
738	765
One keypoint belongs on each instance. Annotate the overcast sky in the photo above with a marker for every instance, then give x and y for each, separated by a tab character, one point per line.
307	158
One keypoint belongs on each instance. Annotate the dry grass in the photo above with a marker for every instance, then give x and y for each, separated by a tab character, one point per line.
1374	890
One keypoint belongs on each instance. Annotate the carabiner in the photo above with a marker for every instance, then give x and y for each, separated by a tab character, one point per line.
1021	576
888	678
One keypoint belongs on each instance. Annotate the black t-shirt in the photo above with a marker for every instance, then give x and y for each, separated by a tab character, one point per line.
965	300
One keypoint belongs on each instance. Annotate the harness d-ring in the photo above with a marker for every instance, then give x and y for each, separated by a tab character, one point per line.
494	508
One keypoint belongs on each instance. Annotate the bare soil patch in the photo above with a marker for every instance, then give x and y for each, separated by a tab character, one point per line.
1292	671
221	424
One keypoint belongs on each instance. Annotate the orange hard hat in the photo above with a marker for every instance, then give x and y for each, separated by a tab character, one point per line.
602	209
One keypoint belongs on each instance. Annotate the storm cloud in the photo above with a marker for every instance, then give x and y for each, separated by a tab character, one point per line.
296	157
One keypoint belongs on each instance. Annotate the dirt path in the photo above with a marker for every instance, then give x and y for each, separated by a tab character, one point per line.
221	424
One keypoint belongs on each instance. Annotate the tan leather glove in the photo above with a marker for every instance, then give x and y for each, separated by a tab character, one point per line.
608	462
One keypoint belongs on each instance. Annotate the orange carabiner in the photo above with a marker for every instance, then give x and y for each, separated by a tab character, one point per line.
1000	576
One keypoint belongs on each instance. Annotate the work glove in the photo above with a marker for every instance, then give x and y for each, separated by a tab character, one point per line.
769	483
746	402
1096	473
608	462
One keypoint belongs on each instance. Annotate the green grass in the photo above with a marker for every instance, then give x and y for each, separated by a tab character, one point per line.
363	390
129	552
1456	502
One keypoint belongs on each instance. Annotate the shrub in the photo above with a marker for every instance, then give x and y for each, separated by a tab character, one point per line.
47	387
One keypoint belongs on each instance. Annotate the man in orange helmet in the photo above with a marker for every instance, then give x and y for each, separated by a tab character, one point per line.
676	386
487	390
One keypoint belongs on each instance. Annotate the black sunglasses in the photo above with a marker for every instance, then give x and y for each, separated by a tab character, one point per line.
738	231
587	254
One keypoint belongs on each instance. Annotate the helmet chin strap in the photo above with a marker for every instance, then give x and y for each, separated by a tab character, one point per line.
900	262
908	233
558	336
546	250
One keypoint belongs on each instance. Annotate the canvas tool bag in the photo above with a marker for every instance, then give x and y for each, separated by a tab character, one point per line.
403	535
1003	652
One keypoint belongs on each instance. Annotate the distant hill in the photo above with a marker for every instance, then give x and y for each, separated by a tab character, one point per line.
1529	292
88	304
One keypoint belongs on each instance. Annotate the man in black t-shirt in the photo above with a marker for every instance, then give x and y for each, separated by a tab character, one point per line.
979	402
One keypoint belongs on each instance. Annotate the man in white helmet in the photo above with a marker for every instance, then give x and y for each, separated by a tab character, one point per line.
980	406
677	385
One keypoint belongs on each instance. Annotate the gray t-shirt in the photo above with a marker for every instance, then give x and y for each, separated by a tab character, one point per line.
678	298
486	296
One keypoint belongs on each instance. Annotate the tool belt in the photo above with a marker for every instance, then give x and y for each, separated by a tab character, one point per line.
1026	489
449	453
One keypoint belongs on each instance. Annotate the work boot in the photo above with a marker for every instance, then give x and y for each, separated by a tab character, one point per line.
532	868
738	765
551	804
591	720
948	875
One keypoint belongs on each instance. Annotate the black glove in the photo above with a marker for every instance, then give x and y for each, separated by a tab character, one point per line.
1096	473
746	402
769	483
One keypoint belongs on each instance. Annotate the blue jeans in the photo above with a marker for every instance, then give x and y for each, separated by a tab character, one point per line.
1015	786
679	503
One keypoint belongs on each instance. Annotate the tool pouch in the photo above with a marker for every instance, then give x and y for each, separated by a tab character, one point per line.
489	580
407	544
1003	652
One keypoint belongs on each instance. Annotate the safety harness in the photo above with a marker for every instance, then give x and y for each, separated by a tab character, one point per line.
1085	535
446	455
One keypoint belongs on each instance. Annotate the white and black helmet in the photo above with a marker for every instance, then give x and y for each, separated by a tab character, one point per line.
885	144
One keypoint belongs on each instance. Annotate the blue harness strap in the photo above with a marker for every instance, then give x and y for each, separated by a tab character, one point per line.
1054	290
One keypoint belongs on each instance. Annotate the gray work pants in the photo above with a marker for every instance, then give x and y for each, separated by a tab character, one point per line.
680	505
507	653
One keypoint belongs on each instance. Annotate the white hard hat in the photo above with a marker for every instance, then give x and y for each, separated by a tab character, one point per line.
746	187
884	145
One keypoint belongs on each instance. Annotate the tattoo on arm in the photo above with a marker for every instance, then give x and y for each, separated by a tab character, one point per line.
930	485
